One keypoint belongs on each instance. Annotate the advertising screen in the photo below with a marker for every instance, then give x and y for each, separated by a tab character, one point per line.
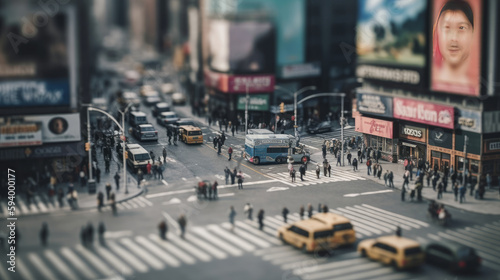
456	48
34	56
391	40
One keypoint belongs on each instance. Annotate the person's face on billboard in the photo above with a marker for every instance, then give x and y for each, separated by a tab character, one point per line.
455	38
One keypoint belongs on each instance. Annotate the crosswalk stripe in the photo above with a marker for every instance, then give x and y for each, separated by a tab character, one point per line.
269	224
77	263
144	255
277	219
33	207
360	219
470	232
139	202
24	209
129	258
216	241
41	266
23	269
493	226
274	250
114	261
131	202
60	265
50	205
304	263
485	253
397	276
404	224
369	274
492	248
244	235
331	265
167	258
207	247
279	255
358	225
190	248
231	237
126	204
381	220
486	230
95	261
266	228
167	245
341	272
40	204
256	232
294	217
119	206
145	200
3	272
397	215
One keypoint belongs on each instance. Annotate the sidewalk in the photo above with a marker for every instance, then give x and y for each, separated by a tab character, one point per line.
489	205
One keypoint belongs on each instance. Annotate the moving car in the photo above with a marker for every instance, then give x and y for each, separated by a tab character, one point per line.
300	154
145	89
150	101
320	127
308	235
128	147
167	88
136	118
145	132
160	107
150	93
397	251
166	118
343	232
178	98
191	134
453	256
138	159
124	98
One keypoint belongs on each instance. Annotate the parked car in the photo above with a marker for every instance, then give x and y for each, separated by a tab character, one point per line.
178	98
453	256
160	108
321	127
145	132
150	101
165	118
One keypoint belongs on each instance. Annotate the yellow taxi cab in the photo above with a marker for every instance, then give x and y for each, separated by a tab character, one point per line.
191	134
307	235
399	252
343	232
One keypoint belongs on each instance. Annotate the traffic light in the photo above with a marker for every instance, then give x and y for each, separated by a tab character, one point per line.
87	146
282	107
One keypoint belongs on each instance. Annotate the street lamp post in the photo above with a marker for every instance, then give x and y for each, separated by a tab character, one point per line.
295	94
465	159
342	127
90	144
123	150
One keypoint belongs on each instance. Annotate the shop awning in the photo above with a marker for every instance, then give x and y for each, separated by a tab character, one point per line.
408	144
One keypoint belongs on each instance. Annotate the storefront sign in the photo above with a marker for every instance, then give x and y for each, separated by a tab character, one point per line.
26	134
34	93
239	83
492	146
58	128
423	112
469	120
374	104
45	151
440	137
412	132
312	69
375	127
491	122
259	102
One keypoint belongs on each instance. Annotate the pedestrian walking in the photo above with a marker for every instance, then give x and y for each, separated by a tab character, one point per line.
219	147
386	177
140	177
152	155
148	168
232	213
440	190
214	189
164	155
108	190
391	179
292	174
379	173
302	171
60	197
260	217
403	192
100	201
182	224
325	167
324	208
455	190
301	212
233	129
161	168
215	141
117	181
230	152
309	210
233	176
240	180
317	170
154	170
320	206
226	174
329	170
462	190
406	177
354	164
398	231
359	154
375	169
44	234
248	209
162	228
98	175
285	212
368	166
338	160
90	234
169	135
113	202
349	157
82	179
101	229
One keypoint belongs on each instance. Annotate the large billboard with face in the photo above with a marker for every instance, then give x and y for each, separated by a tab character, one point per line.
456	46
391	41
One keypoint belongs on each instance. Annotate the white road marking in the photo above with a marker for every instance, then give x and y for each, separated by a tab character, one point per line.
167	258
144	255
192	198
3	273
168	193
216	241
164	182
23	269
190	248
143	199
184	179
231	237
77	263
116	262
347	213
128	257
60	265
172	201
41	266
117	234
225	194
95	261
248	184
397	215
207	247
247	236
274	189
167	245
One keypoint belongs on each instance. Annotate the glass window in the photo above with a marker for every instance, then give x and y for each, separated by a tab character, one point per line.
497	166
373	142
412	251
380	142
323	234
488	167
388	145
474	166
446	156
194	133
435	154
460	164
345	226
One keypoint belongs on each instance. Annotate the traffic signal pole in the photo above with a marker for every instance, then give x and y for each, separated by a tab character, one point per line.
88	141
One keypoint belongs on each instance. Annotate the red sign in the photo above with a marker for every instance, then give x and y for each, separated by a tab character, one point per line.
238	83
374	127
423	112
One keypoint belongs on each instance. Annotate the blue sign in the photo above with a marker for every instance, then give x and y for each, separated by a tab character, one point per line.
33	93
372	104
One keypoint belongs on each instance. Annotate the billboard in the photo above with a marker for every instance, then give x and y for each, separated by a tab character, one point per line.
36	55
375	127
290	34
58	127
256	102
423	112
238	83
391	41
242	47
456	46
373	104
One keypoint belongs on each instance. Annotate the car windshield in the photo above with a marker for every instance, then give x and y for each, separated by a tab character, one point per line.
413	251
142	157
186	123
465	252
194	133
345	226
323	234
148	128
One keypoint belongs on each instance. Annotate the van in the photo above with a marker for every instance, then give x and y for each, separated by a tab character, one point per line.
397	251
308	235
191	134
138	159
160	108
343	232
137	118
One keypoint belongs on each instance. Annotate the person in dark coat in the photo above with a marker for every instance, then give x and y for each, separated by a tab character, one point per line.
215	141
302	171
101	230
182	224
214	189
301	212
44	234
108	191
233	176
90	234
162	227
100	201
260	216
98	175
285	212
117	180
309	210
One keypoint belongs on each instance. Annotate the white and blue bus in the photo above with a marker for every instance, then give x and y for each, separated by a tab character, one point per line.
265	148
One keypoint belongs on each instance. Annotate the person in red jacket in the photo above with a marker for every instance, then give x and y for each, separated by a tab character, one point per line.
230	152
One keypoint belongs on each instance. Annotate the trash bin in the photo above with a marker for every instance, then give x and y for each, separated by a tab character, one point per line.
92	186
